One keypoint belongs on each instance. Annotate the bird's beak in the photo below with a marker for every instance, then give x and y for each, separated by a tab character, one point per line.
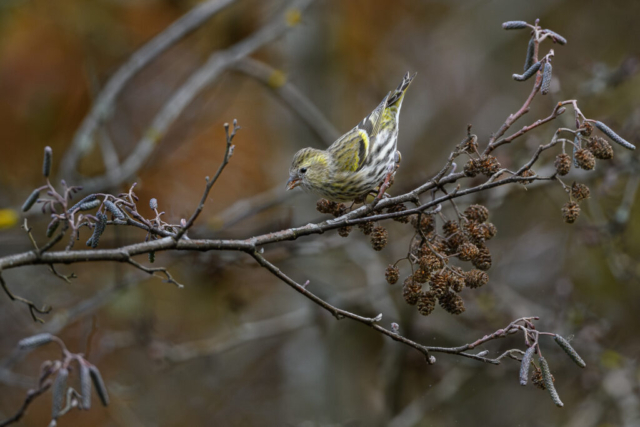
293	183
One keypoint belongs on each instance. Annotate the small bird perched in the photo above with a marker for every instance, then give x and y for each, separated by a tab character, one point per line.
359	161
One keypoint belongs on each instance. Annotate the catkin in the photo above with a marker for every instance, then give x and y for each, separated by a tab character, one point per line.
59	391
98	229
548	382
85	386
557	37
46	164
529	73
531	50
99	385
614	136
573	355
514	25
115	211
53	226
31	200
35	341
526	364
546	78
89	198
91	204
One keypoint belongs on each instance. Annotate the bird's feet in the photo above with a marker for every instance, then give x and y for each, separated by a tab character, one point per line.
388	181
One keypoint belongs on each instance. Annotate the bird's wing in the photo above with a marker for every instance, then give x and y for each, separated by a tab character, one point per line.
352	149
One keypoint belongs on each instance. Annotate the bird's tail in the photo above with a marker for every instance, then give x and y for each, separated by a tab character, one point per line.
396	97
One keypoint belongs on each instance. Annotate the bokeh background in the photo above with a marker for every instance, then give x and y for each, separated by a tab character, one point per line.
237	347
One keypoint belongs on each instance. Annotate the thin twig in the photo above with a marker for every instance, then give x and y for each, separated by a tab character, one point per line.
338	313
210	182
32	307
153	270
31	396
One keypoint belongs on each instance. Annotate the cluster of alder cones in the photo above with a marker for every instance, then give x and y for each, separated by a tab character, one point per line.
434	279
586	150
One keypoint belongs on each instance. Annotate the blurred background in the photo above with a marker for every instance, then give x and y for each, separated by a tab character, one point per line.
236	347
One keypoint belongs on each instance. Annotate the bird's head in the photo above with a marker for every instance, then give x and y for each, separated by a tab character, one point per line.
309	169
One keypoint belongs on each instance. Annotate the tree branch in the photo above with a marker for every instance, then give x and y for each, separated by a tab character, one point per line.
211	182
31	396
103	105
182	97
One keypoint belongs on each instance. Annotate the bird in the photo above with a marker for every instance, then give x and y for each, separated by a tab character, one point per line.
359	161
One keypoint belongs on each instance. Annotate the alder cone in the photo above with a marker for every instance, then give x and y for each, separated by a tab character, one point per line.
563	164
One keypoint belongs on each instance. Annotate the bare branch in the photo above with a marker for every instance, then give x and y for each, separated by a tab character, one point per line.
211	182
103	105
354	217
338	313
182	97
152	270
32	307
31	396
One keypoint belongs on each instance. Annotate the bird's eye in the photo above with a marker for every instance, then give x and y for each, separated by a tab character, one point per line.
303	170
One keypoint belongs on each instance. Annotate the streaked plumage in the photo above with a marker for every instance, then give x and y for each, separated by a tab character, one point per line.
358	161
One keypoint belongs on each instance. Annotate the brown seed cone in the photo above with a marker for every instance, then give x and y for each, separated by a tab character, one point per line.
475	232
426	303
477	213
483	260
439	283
587	129
475	278
344	231
472	168
427	223
456	279
366	227
452	303
538	380
392	274
454	242
570	212
600	148
563	164
326	206
467	251
488	230
450	227
489	165
421	276
411	290
379	237
430	262
527	173
399	208
579	192
470	145
439	245
585	159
